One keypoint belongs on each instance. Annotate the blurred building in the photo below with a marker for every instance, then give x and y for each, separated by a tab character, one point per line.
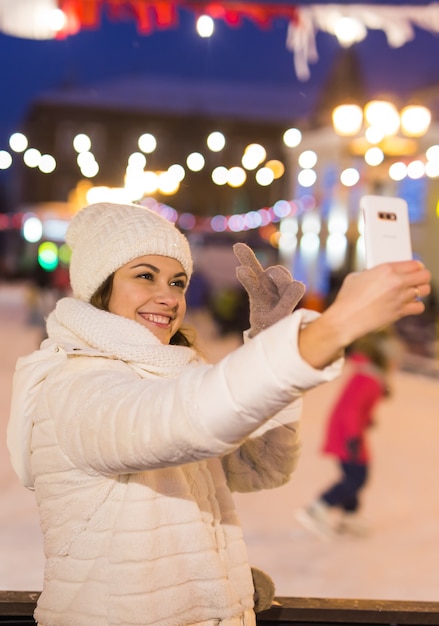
180	114
306	215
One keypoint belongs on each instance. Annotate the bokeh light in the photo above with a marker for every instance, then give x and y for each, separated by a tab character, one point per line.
292	137
205	26
236	176
82	143
347	119
349	177
277	167
48	256
47	164
307	178
220	175
147	143
195	161
307	159
5	160
18	142
32	157
216	141
264	176
32	229
398	171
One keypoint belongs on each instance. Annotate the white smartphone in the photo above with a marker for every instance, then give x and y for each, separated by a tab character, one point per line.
386	229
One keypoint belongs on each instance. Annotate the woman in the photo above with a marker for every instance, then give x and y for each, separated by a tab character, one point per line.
133	444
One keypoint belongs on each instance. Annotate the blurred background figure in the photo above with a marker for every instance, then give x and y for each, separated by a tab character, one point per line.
35	307
420	337
229	308
370	362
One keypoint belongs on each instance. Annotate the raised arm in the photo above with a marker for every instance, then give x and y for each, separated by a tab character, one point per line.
367	301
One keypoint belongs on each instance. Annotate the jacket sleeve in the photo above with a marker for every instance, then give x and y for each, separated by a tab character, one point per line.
266	461
110	422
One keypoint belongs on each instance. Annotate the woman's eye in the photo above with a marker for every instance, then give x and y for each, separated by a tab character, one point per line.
181	284
146	275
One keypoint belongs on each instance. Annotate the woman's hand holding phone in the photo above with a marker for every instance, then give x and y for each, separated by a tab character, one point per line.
367	301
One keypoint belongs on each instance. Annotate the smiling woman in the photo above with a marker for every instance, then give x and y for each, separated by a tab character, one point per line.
134	444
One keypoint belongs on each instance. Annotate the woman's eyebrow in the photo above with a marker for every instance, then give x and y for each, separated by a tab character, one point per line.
156	269
151	267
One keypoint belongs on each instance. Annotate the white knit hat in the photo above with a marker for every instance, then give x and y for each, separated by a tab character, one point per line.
105	236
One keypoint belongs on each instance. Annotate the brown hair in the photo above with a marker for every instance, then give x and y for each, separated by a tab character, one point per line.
101	300
380	347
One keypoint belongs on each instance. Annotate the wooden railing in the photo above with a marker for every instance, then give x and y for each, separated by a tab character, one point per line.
329	611
17	607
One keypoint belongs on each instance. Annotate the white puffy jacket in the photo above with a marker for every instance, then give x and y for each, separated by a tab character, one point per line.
133	449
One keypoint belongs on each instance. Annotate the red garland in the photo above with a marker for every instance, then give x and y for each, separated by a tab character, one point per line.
149	15
79	14
263	13
153	14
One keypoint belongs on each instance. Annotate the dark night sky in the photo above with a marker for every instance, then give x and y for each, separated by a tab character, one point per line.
247	54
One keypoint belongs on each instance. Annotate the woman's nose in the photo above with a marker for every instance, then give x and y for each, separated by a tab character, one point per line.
166	294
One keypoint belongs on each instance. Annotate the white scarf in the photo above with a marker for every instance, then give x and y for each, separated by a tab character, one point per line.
82	325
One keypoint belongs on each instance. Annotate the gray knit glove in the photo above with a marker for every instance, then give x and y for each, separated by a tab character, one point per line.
264	590
273	293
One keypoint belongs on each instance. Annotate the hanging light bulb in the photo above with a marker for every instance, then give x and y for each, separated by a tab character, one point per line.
205	26
383	115
415	120
349	30
347	119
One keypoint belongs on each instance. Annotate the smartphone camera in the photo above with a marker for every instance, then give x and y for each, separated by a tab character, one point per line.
391	217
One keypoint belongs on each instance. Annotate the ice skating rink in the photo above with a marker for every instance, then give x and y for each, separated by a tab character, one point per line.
399	560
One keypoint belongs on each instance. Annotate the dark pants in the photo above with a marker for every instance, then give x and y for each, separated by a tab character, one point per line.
344	494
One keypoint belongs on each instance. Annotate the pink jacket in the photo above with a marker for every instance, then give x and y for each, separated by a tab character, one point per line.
352	414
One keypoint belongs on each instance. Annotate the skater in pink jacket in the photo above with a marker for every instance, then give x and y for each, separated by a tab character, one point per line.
370	362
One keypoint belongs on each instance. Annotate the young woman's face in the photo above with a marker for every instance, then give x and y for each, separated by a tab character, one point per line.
150	290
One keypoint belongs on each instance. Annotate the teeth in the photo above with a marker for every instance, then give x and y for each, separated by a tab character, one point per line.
158	319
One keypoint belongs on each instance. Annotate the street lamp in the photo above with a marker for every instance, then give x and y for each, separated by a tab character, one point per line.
380	119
